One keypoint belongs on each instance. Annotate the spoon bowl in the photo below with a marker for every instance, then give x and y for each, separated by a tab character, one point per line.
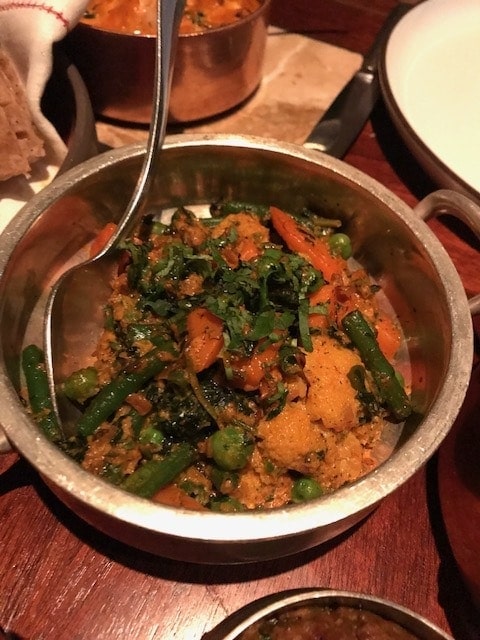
81	290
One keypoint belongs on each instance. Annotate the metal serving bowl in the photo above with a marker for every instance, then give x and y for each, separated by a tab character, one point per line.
390	240
278	603
214	70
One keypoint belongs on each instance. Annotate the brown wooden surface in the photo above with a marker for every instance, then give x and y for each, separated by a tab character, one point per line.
60	579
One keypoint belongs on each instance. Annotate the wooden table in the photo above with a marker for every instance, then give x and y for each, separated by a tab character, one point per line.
60	579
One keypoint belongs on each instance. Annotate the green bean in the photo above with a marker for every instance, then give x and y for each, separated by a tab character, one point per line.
363	338
112	395
152	475
306	488
231	447
39	398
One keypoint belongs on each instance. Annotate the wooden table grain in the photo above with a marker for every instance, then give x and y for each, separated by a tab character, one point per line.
60	579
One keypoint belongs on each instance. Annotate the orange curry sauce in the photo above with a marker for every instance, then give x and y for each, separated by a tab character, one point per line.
138	16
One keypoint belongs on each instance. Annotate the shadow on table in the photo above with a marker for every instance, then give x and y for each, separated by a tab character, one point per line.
15	472
453	596
176	570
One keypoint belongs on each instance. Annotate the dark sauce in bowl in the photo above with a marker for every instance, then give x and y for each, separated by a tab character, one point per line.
311	622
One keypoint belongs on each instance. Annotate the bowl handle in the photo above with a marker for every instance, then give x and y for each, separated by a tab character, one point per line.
443	202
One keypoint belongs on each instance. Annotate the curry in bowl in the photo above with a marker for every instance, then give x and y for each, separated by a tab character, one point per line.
138	17
245	363
309	622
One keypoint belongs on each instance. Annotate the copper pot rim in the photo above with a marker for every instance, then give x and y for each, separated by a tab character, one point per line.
207	34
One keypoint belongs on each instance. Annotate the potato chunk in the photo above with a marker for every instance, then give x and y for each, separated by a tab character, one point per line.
291	440
331	398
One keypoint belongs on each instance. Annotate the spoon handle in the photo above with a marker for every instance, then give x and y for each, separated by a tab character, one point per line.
77	284
169	15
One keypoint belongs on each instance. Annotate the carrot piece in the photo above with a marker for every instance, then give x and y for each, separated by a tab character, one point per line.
173	496
318	321
248	250
139	402
314	250
102	238
249	372
204	338
322	295
388	335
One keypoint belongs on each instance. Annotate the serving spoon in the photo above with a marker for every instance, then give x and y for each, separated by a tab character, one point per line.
82	290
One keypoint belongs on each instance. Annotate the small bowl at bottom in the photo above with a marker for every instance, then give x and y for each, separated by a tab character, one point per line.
240	625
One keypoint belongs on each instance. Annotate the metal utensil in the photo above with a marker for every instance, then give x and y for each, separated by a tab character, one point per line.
82	283
340	125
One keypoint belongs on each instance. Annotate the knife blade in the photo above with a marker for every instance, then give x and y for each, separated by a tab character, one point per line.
341	124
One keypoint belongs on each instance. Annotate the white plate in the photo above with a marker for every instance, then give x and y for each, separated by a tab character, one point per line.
430	78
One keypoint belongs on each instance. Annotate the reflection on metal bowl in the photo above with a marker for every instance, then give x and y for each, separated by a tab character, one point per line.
214	70
391	242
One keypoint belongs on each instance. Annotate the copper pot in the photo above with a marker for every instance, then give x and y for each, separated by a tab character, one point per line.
390	240
214	70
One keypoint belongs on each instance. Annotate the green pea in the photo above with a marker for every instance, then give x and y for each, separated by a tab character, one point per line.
306	489
82	384
150	435
340	244
231	447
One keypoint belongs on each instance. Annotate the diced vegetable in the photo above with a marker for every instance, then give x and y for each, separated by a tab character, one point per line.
306	489
231	447
110	397
389	387
299	240
82	384
152	475
236	368
204	338
40	400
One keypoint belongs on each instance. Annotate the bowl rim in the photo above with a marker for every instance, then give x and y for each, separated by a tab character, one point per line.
357	497
274	603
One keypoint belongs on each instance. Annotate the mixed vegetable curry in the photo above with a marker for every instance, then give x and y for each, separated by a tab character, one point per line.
244	363
138	16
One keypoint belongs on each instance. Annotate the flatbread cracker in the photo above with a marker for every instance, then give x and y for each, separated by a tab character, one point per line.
20	144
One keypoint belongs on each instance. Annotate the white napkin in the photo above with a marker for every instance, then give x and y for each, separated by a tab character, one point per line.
28	29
